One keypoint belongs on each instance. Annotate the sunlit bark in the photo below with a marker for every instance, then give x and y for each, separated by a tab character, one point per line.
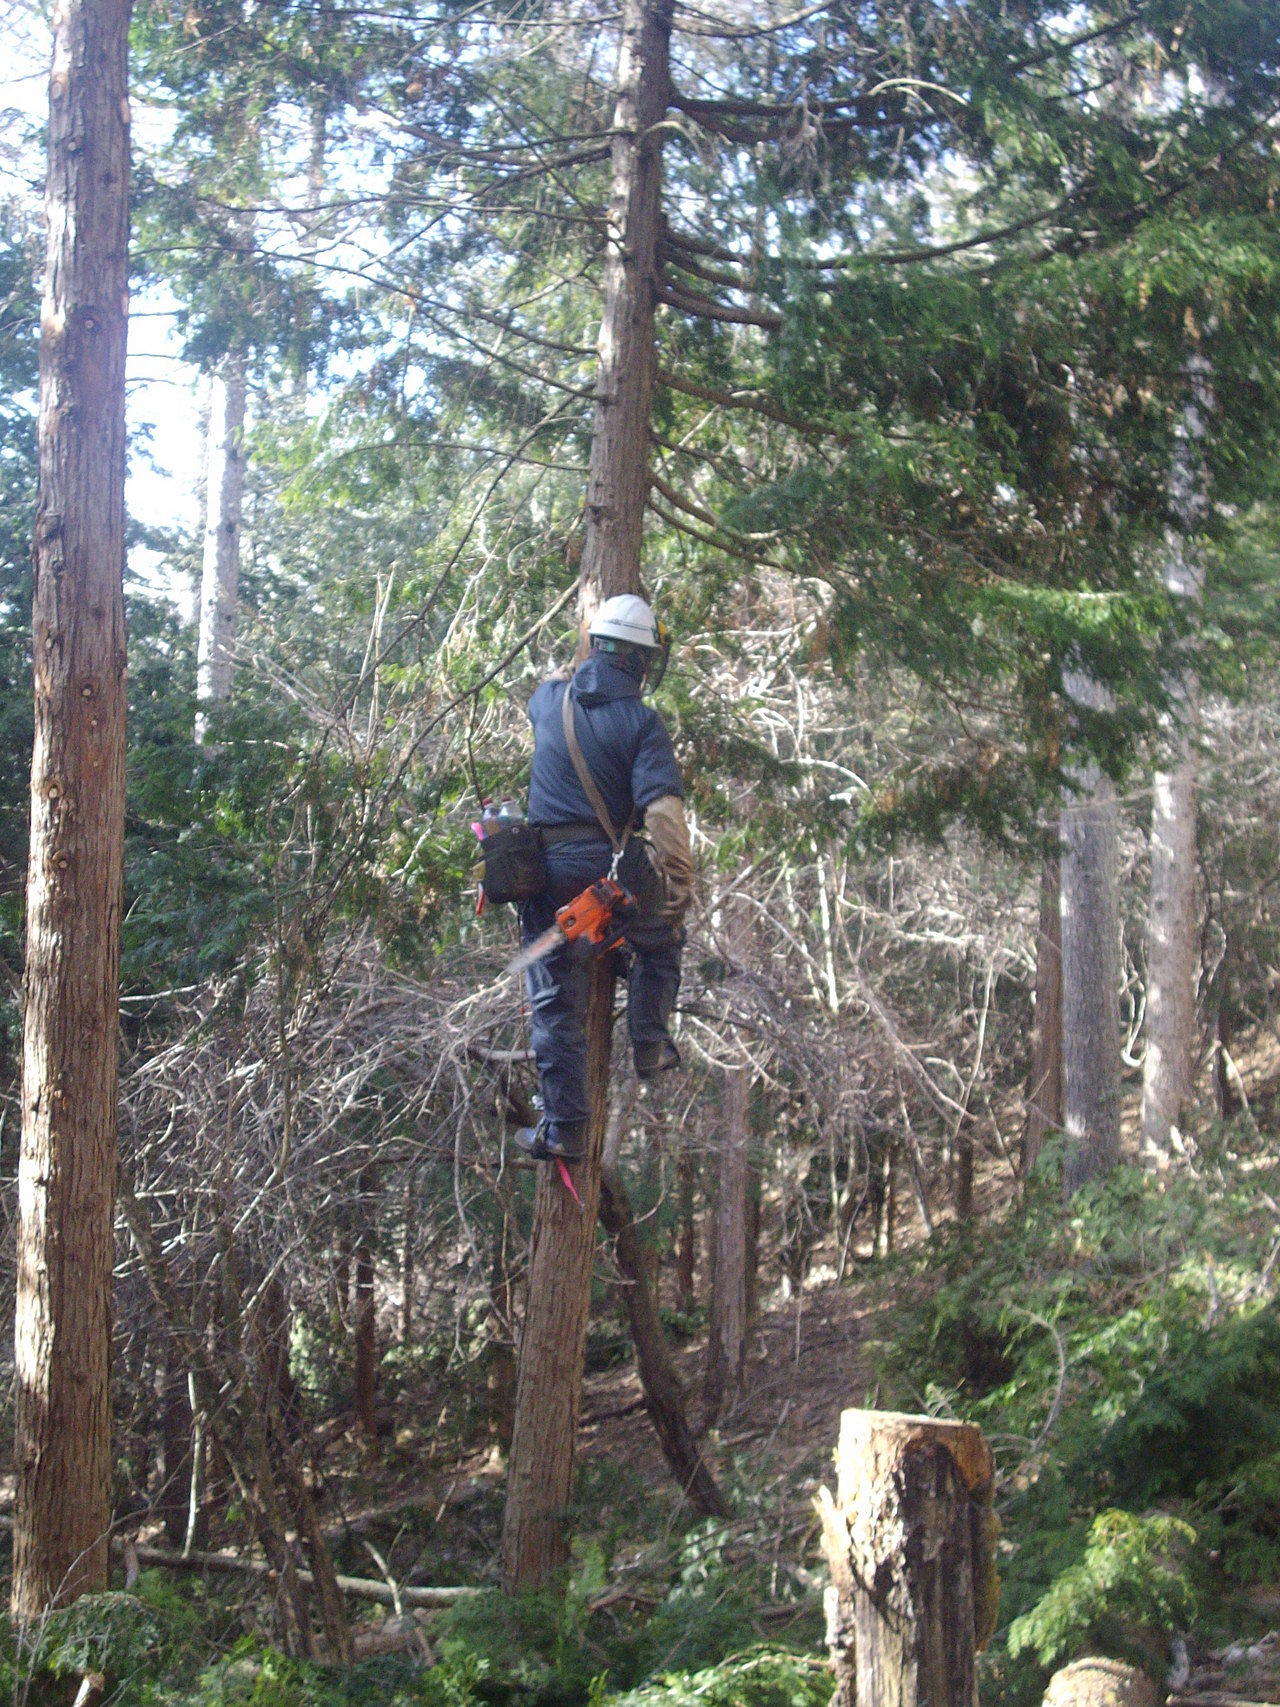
67	1172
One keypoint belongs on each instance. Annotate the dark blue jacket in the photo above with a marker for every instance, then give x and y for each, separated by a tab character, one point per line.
623	740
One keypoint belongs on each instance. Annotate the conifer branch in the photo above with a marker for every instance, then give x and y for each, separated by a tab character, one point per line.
693	302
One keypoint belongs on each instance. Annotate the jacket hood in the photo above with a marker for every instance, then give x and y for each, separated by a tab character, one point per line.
596	681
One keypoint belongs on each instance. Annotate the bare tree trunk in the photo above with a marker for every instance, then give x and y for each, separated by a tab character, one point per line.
1090	963
366	1337
408	1262
67	1172
554	1340
1044	1094
220	577
659	1378
1172	938
887	1201
173	1494
727	1338
687	1243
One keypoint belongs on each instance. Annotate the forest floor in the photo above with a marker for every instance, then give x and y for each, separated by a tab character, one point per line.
817	1349
1039	1326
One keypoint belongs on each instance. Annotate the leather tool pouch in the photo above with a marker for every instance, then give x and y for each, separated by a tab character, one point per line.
514	866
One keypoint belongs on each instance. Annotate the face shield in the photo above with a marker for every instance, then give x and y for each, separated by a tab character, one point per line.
659	657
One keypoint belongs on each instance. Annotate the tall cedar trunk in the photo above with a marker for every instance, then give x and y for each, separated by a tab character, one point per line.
1044	1093
1090	963
553	1344
1172	939
554	1338
66	1185
727	1337
366	1337
220	574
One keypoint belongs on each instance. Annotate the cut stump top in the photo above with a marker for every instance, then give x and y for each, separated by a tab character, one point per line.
874	1444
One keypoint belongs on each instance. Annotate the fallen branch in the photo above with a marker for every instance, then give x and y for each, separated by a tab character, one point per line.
1212	1698
360	1588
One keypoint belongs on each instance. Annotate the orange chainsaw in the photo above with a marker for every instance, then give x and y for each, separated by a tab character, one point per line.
595	917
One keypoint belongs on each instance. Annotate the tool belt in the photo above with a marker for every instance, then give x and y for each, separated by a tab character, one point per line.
551	835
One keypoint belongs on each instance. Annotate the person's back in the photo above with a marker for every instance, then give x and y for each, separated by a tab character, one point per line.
624	742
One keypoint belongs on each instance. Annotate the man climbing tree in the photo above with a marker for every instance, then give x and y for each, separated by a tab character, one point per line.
66	1186
623	757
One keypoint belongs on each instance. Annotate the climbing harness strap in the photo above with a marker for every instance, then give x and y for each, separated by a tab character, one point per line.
589	785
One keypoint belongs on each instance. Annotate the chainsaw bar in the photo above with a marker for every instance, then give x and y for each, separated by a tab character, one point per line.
538	949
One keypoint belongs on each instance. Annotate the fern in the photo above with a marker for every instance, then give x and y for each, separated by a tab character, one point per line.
1133	1574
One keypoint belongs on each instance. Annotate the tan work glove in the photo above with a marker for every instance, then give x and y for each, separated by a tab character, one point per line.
668	835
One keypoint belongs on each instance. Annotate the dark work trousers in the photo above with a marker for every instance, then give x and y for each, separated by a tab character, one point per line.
558	984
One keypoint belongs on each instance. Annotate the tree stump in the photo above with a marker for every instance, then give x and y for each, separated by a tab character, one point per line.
910	1541
1097	1682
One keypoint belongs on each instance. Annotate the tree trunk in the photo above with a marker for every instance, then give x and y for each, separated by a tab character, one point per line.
687	1243
554	1338
553	1344
1044	1094
660	1381
366	1337
910	1541
224	504
66	1185
1090	963
727	1336
408	1263
1172	939
176	1428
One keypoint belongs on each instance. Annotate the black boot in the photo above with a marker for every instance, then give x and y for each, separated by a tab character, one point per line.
553	1141
654	1058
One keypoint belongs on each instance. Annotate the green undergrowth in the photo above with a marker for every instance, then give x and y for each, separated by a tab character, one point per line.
1123	1360
179	1644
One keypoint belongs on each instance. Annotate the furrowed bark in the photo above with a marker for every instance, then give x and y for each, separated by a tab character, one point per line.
553	1344
727	1337
619	473
66	1181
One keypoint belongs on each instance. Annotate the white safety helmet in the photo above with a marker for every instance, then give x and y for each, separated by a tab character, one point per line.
628	621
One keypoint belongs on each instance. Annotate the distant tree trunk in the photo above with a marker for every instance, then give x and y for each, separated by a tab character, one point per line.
173	1494
408	1263
754	1197
687	1241
1044	1093
220	577
342	1282
366	1347
1172	938
659	1378
727	1338
67	1171
554	1338
1090	963
886	1200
